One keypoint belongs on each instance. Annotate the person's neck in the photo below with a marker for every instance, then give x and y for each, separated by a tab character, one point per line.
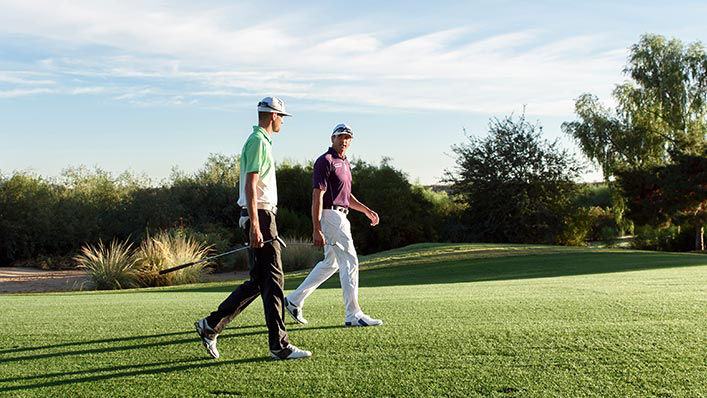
341	154
267	128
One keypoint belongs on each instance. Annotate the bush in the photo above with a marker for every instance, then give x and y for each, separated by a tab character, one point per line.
293	224
604	225
672	238
576	228
608	235
166	250
113	267
300	254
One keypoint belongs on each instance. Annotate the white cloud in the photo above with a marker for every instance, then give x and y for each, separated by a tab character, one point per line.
22	78
203	53
87	90
24	92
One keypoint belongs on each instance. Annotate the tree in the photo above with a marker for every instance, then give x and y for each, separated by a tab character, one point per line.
661	112
672	194
519	188
661	117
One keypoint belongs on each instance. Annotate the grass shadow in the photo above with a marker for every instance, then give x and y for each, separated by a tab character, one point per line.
228	334
130	371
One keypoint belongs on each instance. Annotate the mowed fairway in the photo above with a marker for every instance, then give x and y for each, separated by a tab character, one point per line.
460	320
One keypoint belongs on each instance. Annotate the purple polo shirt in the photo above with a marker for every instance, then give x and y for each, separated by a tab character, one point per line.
333	175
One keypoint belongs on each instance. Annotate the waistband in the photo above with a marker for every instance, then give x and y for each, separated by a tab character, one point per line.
260	206
342	209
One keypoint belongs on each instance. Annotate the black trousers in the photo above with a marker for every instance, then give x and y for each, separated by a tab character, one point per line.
266	280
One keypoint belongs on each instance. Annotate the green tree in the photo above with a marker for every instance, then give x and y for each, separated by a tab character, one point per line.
519	188
661	111
672	194
661	116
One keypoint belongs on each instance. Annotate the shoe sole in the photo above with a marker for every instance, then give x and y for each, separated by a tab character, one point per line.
361	323
276	358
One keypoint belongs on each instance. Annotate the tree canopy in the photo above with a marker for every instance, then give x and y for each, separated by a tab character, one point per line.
519	188
661	111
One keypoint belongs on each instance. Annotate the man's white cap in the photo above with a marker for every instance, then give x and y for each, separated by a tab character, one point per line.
272	105
342	128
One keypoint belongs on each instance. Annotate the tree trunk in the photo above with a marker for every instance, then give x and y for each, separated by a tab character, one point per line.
700	238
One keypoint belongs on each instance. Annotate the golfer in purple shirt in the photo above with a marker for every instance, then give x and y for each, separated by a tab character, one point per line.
331	201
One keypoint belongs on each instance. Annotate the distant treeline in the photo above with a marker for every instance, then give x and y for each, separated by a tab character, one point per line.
42	217
46	221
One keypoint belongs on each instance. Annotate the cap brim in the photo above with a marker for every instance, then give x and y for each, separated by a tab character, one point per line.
342	133
270	110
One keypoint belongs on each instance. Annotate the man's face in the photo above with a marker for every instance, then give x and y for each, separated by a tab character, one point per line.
277	122
341	143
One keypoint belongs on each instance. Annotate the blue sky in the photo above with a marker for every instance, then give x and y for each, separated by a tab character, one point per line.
146	86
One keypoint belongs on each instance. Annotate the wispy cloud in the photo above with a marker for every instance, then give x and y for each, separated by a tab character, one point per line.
204	54
87	90
24	92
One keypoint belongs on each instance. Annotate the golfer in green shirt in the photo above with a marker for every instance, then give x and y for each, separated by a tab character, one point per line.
258	200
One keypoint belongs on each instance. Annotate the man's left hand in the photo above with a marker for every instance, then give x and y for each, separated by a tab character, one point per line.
373	216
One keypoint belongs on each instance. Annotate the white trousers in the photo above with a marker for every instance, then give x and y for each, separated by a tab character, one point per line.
336	229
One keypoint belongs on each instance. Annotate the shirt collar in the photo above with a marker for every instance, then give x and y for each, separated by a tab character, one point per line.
261	131
334	153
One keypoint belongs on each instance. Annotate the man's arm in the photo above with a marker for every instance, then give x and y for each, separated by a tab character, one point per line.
317	235
356	205
251	182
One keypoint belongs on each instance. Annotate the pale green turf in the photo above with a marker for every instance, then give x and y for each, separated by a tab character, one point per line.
460	320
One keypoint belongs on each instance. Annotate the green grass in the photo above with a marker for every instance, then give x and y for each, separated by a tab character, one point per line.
460	320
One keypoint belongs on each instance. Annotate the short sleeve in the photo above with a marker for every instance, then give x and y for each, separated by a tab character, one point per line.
320	174
255	153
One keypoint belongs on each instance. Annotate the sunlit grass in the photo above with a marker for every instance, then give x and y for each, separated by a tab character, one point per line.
536	322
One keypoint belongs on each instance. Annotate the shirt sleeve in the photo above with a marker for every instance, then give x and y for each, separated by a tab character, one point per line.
255	156
320	176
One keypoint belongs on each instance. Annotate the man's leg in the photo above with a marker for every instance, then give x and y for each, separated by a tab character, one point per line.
325	268
348	271
210	327
272	283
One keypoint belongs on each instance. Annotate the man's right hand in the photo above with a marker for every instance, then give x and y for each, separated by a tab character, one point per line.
318	238
256	238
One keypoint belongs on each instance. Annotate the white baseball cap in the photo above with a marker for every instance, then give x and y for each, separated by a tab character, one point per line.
272	105
342	128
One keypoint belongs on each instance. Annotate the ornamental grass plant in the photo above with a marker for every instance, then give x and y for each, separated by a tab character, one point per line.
300	254
167	249
110	267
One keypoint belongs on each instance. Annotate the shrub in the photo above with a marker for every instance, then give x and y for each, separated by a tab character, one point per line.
604	222
112	267
168	249
672	238
300	254
576	228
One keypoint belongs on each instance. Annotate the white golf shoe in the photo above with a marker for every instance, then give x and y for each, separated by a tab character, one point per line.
291	352
295	312
204	330
363	320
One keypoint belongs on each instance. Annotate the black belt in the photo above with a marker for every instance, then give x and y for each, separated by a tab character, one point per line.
342	209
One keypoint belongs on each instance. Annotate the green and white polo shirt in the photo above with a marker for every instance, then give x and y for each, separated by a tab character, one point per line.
256	156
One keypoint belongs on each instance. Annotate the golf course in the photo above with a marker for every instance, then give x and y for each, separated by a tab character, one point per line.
459	320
